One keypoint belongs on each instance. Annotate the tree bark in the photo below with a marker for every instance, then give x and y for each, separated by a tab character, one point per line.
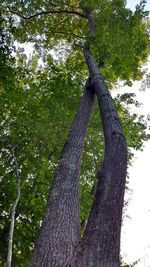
59	235
100	245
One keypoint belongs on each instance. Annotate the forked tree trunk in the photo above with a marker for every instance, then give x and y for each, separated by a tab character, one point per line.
100	245
59	235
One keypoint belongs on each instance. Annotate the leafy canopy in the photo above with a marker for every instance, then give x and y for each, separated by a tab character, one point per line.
121	37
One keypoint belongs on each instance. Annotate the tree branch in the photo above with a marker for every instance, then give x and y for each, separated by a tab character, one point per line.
92	24
12	224
48	12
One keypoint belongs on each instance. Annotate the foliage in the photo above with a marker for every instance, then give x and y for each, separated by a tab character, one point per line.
119	35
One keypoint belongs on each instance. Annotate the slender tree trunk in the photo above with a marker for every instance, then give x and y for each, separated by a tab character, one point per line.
13	211
59	235
100	245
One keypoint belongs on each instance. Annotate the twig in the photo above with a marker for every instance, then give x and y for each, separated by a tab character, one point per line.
52	152
94	155
12	224
94	187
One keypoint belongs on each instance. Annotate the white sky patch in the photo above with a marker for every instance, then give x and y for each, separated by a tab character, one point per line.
136	230
132	3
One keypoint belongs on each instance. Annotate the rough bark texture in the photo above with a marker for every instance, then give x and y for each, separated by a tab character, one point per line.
59	234
100	245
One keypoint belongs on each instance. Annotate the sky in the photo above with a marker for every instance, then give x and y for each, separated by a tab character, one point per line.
136	229
132	3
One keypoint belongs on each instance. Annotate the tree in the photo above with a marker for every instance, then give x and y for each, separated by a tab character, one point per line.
119	68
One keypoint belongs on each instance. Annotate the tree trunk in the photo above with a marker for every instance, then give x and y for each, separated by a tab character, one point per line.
13	211
59	235
100	245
